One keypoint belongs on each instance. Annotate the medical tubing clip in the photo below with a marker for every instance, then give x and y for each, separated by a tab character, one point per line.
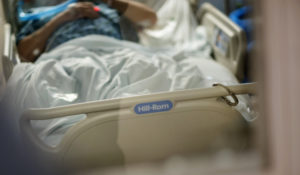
230	93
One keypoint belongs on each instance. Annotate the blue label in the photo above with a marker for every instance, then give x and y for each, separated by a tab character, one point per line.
153	107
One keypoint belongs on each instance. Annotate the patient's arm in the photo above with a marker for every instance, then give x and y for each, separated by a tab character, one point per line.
135	11
33	45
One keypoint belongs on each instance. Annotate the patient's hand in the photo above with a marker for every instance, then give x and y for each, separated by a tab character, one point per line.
33	45
79	10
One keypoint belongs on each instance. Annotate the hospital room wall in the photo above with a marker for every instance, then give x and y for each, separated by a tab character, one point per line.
277	62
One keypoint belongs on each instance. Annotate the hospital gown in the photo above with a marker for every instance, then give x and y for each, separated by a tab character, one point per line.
107	24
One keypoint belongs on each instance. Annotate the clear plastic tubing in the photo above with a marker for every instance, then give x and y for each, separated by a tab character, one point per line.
51	11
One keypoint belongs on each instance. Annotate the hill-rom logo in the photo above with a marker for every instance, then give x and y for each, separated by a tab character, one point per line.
153	107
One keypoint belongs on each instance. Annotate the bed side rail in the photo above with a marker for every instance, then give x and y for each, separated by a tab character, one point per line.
111	125
105	105
228	40
6	49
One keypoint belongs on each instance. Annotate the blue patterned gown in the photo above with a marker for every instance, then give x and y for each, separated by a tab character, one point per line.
107	24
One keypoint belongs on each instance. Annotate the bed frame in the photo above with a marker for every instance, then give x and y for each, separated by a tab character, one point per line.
150	127
116	132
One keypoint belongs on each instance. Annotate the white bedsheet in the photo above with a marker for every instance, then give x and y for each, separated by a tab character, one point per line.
99	67
176	26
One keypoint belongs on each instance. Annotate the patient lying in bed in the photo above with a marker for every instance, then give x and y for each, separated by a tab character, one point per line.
80	19
99	67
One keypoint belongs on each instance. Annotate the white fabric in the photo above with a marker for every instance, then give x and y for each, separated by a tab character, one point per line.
154	4
176	26
99	67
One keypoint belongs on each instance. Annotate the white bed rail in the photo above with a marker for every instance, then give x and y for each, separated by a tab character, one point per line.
113	133
228	40
104	105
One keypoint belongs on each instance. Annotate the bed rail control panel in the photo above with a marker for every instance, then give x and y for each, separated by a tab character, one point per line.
221	41
153	107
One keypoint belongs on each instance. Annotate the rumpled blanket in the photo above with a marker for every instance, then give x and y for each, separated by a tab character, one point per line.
98	67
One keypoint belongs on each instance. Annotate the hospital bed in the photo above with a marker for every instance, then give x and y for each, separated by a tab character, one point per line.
151	127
